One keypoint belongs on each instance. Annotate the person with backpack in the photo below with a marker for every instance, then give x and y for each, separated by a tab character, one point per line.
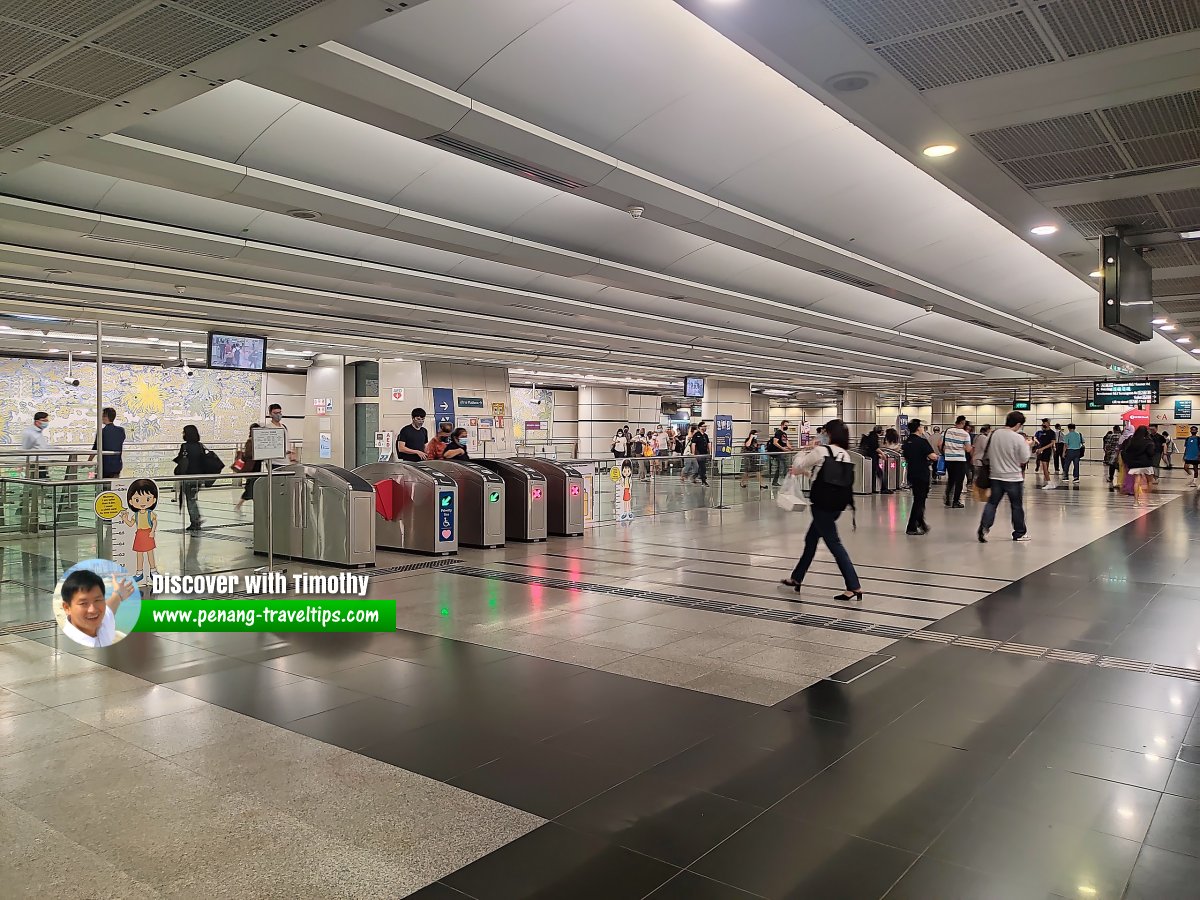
832	491
191	461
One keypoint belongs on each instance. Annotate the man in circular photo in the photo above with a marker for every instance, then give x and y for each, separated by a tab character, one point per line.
89	607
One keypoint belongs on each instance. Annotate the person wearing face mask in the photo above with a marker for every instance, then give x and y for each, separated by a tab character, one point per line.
275	420
752	460
777	446
34	438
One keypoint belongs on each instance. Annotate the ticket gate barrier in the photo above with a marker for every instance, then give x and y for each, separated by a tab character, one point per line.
525	499
564	492
321	513
894	469
416	507
480	502
862	473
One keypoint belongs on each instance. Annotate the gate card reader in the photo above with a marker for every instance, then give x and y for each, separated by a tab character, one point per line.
321	513
524	498
417	507
564	493
480	502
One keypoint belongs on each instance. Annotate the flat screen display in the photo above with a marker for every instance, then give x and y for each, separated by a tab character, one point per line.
693	386
1128	393
1126	292
241	352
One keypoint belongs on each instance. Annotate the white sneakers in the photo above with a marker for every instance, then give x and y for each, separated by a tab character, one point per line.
1049	486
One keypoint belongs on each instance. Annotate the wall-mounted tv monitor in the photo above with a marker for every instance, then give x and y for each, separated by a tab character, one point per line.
693	386
1126	292
240	352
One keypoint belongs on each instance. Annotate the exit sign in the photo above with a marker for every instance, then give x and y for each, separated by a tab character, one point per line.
1095	404
1022	405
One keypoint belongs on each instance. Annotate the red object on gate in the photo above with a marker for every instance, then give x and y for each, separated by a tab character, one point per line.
385	498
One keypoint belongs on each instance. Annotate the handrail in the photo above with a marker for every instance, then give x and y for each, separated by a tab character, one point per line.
198	476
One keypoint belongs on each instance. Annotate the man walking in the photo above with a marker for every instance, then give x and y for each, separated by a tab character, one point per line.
919	453
777	446
700	448
1047	440
1008	452
1191	456
1073	452
112	442
1112	455
956	447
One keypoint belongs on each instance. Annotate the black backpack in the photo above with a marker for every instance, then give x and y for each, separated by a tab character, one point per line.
211	465
833	485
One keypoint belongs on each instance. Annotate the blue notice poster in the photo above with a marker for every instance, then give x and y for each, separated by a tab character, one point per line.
1183	410
723	442
443	405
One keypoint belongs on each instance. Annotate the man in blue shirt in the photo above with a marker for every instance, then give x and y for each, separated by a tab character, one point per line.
1073	452
1191	456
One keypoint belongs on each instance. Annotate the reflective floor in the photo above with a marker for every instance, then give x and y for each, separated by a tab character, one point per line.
634	714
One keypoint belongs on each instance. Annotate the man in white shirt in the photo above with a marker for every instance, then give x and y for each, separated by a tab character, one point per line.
275	420
956	447
90	618
1007	453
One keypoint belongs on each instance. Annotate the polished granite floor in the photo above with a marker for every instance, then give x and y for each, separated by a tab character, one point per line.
539	737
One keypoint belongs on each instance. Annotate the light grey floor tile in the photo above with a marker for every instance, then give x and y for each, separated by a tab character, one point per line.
14	704
315	663
27	669
64	765
833	638
566	626
55	691
661	671
191	728
626	609
273	764
798	662
127	707
634	637
580	654
693	620
517	641
763	691
693	646
37	729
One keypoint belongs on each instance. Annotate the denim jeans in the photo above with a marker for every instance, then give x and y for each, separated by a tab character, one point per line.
824	528
1071	457
1015	492
190	490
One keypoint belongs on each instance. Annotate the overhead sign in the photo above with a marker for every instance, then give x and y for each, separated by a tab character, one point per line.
1183	410
470	402
443	405
1022	405
1113	393
1094	405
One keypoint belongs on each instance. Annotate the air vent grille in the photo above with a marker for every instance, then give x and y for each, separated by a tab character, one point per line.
1086	26
874	21
93	71
256	15
845	279
493	158
149	246
1092	219
1166	255
1177	287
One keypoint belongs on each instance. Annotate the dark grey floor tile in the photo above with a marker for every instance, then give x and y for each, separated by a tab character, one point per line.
1126	766
935	879
387	677
1160	692
1184	780
1176	826
542	780
438	891
660	818
280	705
318	663
556	862
778	857
352	726
1115	725
231	685
1057	858
445	749
690	886
1161	874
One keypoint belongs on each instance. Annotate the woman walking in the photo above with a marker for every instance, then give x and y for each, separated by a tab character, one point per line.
1139	455
752	460
190	461
249	465
825	510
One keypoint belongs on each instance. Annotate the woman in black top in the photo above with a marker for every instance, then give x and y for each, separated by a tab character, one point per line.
190	461
250	464
456	447
752	461
919	454
1140	455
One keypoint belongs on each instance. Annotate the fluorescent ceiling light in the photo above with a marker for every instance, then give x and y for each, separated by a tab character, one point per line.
1158	321
1096	274
1189	235
1166	328
1183	340
936	150
1044	229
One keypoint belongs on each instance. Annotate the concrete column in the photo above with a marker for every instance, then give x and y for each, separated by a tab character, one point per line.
760	416
727	398
859	413
943	412
326	381
602	410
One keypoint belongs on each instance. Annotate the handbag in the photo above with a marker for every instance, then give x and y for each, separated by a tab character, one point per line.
983	478
790	496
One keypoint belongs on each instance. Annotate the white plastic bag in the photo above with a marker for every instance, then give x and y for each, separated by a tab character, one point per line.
790	497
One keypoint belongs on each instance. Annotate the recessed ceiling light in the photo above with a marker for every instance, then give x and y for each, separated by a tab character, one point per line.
1166	328
1197	350
303	214
849	82
936	150
1158	321
291	365
57	271
54	350
1044	229
1183	340
1096	274
1189	235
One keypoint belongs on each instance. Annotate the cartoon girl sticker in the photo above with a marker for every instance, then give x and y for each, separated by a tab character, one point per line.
142	500
624	495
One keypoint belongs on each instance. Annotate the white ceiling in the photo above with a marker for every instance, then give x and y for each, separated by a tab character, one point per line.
751	187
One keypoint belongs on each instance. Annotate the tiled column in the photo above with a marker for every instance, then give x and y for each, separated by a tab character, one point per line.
602	410
727	398
943	412
859	413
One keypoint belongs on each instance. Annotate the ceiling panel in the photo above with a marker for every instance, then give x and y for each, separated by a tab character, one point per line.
875	22
1177	287
1093	219
1086	26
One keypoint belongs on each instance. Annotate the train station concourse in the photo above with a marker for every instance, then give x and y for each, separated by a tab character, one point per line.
615	449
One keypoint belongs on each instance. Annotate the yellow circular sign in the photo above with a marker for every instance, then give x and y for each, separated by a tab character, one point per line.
109	506
615	474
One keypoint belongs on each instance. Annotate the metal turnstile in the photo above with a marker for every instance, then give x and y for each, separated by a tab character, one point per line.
862	472
564	493
525	498
321	513
480	502
894	469
416	507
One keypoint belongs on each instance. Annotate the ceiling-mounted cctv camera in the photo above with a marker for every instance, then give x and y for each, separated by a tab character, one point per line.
636	211
928	307
73	382
71	379
181	288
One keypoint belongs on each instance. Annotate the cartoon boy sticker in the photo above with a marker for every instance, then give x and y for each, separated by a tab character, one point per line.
142	500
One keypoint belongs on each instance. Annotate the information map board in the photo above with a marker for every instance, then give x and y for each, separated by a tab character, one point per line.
1114	393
